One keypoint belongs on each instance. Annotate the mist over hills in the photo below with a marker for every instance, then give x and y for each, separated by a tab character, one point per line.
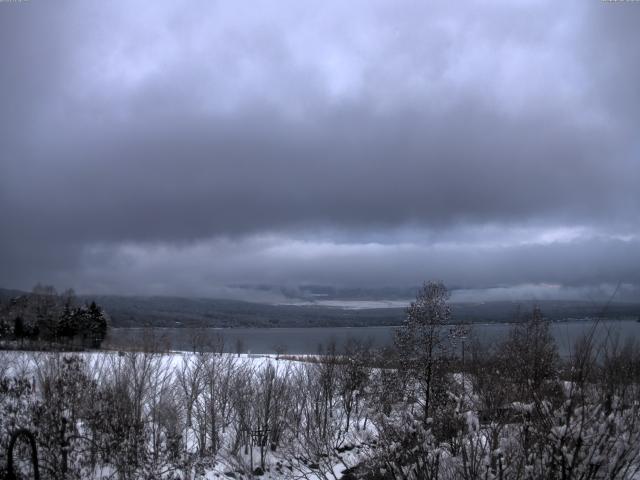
165	311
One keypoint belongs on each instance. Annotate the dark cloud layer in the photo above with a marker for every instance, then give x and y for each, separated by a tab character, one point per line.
193	146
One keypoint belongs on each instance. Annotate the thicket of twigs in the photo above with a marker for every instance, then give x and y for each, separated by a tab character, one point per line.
419	411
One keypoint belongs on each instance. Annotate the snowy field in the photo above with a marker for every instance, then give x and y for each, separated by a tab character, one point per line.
181	415
181	376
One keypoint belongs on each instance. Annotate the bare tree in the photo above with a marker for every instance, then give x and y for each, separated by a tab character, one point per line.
353	377
422	347
530	355
190	380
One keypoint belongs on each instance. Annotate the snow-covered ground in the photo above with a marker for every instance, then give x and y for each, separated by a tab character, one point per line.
205	416
172	369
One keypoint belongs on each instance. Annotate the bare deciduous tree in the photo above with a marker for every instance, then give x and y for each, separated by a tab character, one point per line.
422	346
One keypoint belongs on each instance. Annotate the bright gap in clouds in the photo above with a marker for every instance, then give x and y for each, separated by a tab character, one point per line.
535	264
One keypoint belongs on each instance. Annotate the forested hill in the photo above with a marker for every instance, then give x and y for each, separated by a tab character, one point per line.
196	312
136	311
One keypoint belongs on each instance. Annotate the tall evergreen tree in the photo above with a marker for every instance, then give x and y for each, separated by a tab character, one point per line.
97	325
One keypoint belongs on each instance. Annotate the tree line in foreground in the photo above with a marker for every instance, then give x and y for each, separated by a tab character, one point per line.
417	411
44	318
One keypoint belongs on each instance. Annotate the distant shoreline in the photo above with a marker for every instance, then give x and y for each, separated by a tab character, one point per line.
394	325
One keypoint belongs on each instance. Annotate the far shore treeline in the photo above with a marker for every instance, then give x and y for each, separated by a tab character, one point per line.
125	311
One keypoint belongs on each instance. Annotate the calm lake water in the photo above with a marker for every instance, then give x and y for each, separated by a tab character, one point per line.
307	340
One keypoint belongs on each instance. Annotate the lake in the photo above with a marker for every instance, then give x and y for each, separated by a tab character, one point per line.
307	340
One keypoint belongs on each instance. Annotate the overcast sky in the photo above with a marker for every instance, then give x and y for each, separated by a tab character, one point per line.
166	147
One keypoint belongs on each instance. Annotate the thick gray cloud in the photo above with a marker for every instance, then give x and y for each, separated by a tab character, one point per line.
198	145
